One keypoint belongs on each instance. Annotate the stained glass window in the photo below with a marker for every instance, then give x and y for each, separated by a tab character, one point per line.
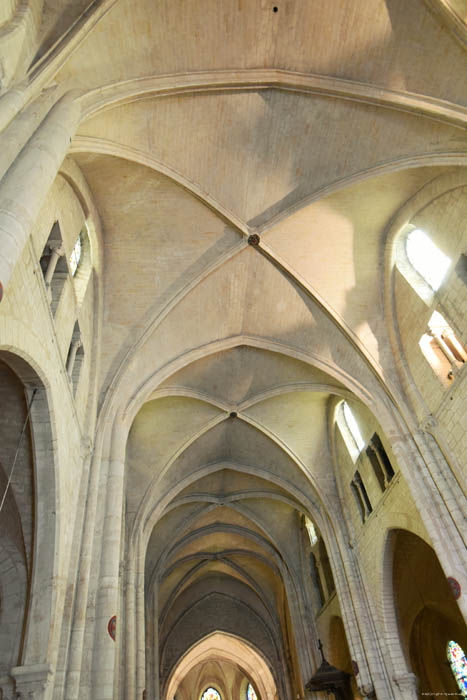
75	256
211	694
250	693
427	259
456	658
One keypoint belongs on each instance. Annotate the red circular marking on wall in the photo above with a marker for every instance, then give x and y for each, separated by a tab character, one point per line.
455	587
112	626
355	668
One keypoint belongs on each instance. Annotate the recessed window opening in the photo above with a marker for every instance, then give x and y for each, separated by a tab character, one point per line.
54	267
353	426
75	357
441	348
75	256
326	567
458	663
442	331
311	531
361	496
316	579
380	462
427	259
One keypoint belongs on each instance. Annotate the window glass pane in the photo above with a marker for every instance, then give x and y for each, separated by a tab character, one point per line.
250	693
75	256
427	258
311	531
458	662
353	427
211	694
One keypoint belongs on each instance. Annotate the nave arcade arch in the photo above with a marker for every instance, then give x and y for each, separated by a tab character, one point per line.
220	496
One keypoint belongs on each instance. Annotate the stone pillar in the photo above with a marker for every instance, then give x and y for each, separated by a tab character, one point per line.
130	621
155	681
27	182
75	345
140	622
20	129
73	678
439	500
10	104
357	615
57	252
32	681
105	648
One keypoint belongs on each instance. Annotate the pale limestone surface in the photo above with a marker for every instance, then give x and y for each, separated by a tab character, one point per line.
189	386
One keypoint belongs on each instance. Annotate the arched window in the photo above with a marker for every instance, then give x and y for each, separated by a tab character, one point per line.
350	430
311	531
211	694
426	258
458	663
250	693
353	426
75	256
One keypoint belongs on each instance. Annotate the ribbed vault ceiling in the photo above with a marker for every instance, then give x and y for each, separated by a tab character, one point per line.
198	325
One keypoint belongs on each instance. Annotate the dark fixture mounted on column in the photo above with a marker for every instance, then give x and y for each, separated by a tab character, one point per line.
331	679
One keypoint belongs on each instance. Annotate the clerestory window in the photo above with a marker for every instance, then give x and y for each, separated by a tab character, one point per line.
75	256
311	532
426	258
350	430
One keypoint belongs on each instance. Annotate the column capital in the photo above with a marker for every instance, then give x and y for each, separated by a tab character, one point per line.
31	681
57	248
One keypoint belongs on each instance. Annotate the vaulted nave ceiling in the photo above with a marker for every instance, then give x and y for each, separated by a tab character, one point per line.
206	122
246	163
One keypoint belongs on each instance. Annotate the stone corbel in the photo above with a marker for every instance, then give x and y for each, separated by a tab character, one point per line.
367	691
429	424
407	684
7	688
31	681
